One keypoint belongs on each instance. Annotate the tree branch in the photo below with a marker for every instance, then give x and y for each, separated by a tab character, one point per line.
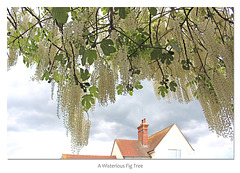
226	19
196	47
74	66
15	23
150	29
40	24
186	18
216	25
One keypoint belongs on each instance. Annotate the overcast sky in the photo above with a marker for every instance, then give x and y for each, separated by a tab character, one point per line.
29	127
34	130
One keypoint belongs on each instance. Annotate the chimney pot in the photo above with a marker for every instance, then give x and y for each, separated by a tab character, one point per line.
143	133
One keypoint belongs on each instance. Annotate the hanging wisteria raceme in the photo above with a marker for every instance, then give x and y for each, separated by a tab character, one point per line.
94	53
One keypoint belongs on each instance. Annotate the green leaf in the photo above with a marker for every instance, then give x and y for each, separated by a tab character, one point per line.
140	29
186	64
107	47
104	10
82	52
119	89
130	93
183	62
91	55
45	75
153	11
138	85
87	101
156	54
94	91
167	57
175	46
56	76
84	74
69	65
173	86
162	90
186	67
60	14
122	12
136	72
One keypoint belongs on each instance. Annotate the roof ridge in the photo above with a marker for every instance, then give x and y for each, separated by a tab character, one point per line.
161	131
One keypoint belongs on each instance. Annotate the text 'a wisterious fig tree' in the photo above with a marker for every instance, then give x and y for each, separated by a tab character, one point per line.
95	53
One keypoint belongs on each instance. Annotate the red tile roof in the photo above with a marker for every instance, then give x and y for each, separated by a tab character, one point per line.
71	156
131	148
156	138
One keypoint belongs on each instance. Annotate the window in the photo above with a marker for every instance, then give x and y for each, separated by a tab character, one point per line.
174	154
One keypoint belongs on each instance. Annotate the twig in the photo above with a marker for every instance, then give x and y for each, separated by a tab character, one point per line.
186	18
15	23
74	68
226	19
150	29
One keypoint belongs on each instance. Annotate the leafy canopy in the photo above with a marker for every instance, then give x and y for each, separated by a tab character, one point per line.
95	53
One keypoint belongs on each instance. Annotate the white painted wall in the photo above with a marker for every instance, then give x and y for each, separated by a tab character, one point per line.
173	140
116	151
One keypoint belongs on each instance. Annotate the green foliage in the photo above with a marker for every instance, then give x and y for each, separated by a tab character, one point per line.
59	57
84	74
122	11
87	101
94	91
107	47
167	58
60	14
131	44
56	76
153	11
173	86
88	55
104	10
186	64
119	89
162	90
138	85
45	75
156	52
174	45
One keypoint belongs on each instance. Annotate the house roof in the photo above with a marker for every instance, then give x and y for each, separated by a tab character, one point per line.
131	148
156	138
134	148
71	156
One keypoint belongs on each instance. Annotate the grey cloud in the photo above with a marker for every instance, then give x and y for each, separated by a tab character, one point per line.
127	113
35	111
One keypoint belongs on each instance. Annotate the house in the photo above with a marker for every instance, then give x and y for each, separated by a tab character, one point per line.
169	143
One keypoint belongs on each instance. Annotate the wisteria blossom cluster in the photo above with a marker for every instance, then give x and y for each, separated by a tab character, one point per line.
92	54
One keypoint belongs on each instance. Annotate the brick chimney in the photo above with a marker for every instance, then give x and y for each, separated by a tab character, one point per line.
143	133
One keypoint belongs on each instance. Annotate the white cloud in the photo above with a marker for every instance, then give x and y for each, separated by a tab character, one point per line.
34	144
97	147
213	147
